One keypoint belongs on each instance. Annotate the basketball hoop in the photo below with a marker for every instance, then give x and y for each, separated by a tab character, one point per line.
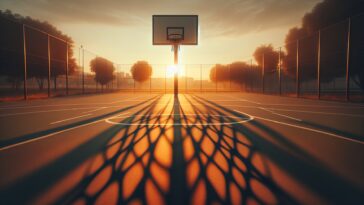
175	37
175	30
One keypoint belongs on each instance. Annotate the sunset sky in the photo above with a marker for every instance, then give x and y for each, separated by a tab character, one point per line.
122	30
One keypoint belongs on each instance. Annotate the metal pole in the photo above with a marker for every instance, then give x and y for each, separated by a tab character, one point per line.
49	66
297	70
280	70
67	58
186	79
216	78
165	81
200	77
83	70
116	76
230	77
175	49
25	64
263	73
348	62
319	66
251	70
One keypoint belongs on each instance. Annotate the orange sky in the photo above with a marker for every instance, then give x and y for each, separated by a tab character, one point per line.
122	30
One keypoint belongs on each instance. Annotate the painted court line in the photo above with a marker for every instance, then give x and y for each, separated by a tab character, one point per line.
306	128
67	104
314	112
68	119
42	111
51	134
275	113
239	120
242	99
97	109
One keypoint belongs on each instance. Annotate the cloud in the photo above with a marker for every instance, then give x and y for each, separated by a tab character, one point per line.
217	17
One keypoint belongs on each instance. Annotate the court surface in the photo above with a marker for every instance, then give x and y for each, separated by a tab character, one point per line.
137	148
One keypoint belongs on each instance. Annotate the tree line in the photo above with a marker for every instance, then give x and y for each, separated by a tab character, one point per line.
12	56
324	14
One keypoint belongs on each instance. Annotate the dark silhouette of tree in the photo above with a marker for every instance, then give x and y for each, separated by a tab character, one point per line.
103	69
241	72
219	73
141	71
324	14
271	57
11	49
237	72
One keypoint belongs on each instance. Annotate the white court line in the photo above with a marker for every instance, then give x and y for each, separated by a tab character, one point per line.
51	134
309	129
324	106
242	99
42	111
67	104
346	106
239	120
97	109
68	119
314	112
275	113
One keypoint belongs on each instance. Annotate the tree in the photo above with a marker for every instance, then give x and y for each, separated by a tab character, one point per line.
219	73
141	71
103	69
237	72
240	72
324	14
11	51
271	58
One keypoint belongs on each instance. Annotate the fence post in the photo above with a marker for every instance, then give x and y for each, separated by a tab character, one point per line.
230	77
216	78
186	79
67	58
83	70
250	81
200	77
280	71
297	70
49	65
319	65
25	64
263	74
348	62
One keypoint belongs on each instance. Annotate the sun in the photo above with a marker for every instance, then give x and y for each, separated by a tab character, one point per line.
171	69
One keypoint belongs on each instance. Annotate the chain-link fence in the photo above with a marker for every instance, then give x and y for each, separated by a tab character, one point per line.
326	65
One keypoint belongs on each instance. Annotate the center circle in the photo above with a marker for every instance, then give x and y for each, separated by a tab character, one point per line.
168	117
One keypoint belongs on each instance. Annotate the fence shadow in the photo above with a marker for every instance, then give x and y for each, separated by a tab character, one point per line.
183	152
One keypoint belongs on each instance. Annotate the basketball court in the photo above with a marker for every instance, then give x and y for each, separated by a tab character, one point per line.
156	148
181	148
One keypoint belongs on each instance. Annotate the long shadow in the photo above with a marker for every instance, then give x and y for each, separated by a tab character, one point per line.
303	167
178	188
36	183
234	155
166	155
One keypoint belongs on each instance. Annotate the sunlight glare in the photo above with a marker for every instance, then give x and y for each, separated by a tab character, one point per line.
171	69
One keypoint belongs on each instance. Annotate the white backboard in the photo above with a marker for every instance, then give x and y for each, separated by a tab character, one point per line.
171	29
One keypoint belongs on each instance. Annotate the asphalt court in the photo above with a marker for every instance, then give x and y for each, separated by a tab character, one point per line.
295	150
